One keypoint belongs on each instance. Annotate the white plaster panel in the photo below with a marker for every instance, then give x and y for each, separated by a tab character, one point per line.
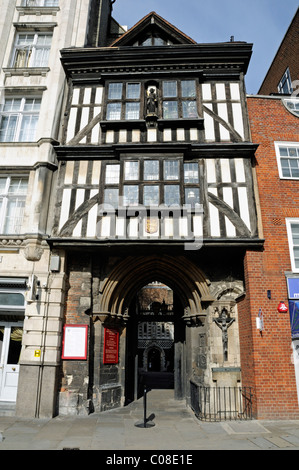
135	135
152	135
206	92
110	137
209	124
211	170
105	226
220	91
228	198
96	172
71	124
87	96
133	227
120	227
240	172
123	136
69	171
180	133
82	172
167	135
222	112
244	207
92	217
79	200
235	91
193	134
76	93
214	216
225	170
99	95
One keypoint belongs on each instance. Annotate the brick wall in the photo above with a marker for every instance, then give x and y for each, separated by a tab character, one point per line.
287	56
266	358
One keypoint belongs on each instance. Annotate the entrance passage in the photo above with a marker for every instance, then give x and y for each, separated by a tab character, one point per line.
154	360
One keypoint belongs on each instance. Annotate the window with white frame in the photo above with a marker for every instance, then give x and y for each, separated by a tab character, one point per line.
19	118
179	99
13	192
31	49
285	84
287	154
293	236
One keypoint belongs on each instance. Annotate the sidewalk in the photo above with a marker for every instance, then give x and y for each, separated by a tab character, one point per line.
174	427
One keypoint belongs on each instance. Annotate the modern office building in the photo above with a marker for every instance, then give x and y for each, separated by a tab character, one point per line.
32	86
155	187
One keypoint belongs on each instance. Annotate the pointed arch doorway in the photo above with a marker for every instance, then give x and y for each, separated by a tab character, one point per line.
155	336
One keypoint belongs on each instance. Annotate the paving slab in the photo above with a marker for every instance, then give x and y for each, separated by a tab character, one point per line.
176	429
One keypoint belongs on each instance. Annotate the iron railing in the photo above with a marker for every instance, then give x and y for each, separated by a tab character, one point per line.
221	403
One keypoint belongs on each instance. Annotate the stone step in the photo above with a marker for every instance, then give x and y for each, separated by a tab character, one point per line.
7	408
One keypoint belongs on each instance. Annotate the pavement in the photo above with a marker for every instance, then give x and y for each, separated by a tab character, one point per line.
172	430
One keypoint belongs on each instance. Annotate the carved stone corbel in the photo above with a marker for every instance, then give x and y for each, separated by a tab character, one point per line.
194	319
112	320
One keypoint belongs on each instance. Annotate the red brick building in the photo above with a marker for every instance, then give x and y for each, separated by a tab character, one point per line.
284	70
267	354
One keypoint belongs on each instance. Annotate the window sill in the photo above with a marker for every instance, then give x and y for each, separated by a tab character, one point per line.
127	124
26	71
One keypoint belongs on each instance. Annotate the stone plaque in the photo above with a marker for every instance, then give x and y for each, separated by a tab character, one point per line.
111	342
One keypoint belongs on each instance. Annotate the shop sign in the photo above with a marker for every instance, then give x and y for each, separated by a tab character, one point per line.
293	288
75	342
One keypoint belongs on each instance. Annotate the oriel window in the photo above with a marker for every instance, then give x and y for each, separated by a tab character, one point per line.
123	101
179	99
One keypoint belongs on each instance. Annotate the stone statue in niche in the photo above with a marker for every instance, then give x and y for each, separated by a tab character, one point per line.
152	101
224	321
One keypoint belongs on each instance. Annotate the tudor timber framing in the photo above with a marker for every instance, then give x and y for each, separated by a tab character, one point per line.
208	60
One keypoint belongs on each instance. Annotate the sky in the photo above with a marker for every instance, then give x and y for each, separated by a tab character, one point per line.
260	22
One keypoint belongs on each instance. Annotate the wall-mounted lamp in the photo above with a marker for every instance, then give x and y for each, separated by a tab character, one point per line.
269	294
282	308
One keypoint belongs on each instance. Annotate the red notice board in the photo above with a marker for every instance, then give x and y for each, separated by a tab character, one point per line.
75	342
111	342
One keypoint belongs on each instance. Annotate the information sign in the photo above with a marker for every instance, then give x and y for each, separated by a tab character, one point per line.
294	318
111	342
75	342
